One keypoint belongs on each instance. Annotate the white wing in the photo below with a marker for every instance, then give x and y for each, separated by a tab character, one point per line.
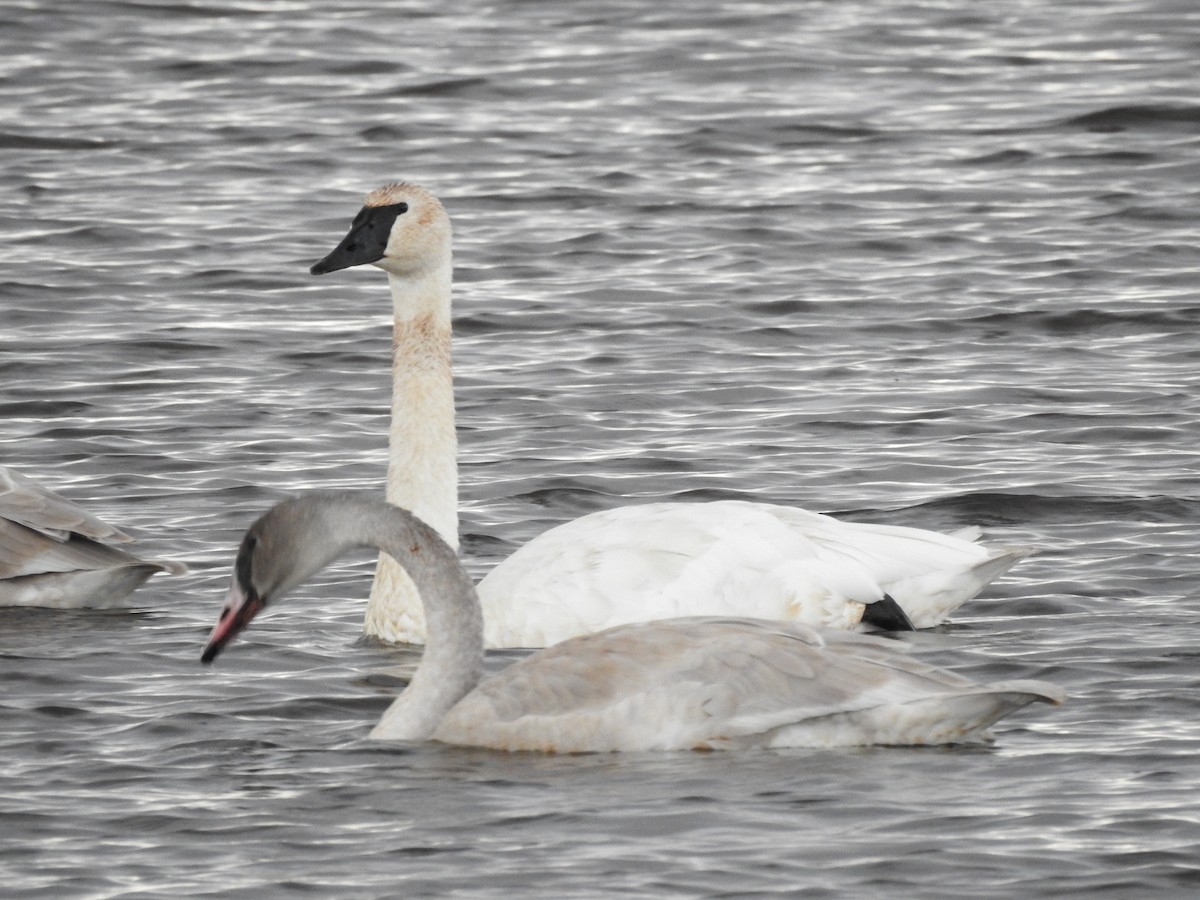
663	560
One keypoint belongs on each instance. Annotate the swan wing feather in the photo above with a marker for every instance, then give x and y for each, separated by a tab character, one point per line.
664	560
51	552
697	683
26	502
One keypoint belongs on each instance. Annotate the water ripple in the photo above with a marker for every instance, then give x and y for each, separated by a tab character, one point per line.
904	263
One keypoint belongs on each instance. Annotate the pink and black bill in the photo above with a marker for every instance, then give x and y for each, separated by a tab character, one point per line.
365	242
241	605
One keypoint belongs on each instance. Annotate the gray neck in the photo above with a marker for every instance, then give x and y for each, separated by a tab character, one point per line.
452	663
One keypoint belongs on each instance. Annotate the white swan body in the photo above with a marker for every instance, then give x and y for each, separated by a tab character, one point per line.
693	683
630	564
727	557
56	554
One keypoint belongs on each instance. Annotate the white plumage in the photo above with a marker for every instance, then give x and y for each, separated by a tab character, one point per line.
630	564
729	557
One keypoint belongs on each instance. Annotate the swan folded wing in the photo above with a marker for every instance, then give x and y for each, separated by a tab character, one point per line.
670	560
890	552
929	574
691	683
665	560
24	501
25	551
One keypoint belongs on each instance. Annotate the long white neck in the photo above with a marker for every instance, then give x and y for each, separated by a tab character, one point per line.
422	446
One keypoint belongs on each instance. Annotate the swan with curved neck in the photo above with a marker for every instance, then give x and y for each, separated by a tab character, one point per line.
680	684
633	563
56	554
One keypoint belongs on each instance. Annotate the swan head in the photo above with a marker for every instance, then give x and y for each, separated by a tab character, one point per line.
401	228
287	545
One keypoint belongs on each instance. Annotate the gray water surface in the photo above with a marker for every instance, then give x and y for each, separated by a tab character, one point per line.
923	263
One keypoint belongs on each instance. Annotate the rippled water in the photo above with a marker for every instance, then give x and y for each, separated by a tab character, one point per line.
929	263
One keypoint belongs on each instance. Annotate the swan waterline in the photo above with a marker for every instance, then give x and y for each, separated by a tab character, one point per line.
54	553
632	563
696	683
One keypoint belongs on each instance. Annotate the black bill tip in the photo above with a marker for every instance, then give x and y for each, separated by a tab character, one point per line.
237	614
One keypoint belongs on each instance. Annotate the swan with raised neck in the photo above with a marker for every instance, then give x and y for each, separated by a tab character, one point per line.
690	683
632	563
404	230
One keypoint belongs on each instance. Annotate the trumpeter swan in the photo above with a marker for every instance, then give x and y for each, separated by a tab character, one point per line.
633	563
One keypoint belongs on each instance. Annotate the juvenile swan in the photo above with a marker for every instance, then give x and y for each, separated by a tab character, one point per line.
694	683
55	554
634	563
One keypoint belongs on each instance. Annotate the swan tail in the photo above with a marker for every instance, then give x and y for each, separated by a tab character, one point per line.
967	716
961	717
930	598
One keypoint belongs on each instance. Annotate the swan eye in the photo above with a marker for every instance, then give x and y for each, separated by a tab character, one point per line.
373	224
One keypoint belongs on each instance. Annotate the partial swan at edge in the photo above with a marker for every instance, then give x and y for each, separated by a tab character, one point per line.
681	684
633	563
56	554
